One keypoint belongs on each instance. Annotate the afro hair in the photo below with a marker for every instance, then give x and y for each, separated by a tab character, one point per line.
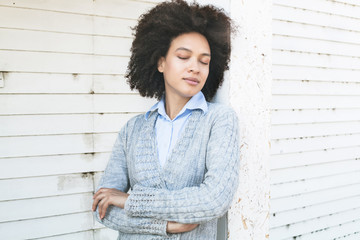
159	26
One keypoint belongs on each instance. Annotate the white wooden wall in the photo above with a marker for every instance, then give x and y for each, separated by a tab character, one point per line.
315	157
64	98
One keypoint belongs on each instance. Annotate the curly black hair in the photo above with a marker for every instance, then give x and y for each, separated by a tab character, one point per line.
163	23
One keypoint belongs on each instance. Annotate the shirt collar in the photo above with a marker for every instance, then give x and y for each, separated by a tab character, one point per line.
198	101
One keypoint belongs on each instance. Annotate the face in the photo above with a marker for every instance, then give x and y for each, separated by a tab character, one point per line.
186	65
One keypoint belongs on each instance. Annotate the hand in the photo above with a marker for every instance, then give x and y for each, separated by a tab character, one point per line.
108	196
175	227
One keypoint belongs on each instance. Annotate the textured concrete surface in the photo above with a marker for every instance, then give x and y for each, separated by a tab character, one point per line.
250	96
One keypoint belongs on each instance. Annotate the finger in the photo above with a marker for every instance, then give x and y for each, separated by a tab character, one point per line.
100	208
95	202
98	198
96	194
104	208
100	191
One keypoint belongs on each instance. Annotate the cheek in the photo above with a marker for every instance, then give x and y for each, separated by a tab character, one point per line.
205	72
173	67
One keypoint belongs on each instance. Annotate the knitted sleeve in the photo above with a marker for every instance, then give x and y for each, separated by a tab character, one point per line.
214	195
116	176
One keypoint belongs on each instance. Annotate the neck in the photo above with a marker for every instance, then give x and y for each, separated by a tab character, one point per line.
174	104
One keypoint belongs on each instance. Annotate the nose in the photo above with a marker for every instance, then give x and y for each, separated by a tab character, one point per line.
193	66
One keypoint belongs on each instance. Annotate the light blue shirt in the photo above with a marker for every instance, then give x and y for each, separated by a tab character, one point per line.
167	130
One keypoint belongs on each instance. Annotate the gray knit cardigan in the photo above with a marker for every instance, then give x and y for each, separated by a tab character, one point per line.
196	184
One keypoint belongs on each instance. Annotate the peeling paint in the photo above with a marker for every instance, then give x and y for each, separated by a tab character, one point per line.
87	175
244	222
64	182
250	94
88	140
75	76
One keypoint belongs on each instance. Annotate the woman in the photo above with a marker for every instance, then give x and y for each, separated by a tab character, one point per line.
180	159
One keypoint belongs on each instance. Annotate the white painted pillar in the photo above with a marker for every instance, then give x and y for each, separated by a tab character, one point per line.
250	95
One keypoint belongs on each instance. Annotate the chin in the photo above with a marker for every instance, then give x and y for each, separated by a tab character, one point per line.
189	95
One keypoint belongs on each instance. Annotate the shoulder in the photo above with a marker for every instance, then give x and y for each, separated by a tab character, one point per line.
219	110
221	116
136	120
132	124
223	125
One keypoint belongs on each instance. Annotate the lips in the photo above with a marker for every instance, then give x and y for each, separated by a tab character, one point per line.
192	81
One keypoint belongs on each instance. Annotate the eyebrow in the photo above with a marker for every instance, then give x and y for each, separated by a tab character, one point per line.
188	50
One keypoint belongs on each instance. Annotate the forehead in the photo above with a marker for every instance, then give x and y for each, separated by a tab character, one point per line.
192	41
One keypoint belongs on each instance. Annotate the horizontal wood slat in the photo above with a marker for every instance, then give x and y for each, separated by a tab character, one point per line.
81	103
308	185
308	73
37	41
306	87
298	201
301	116
294	14
314	102
349	2
279	161
35	125
56	144
309	31
337	232
108	8
22	125
314	129
89	234
331	7
33	19
46	186
315	46
48	62
52	165
47	83
314	143
49	226
313	171
305	59
44	207
316	224
314	211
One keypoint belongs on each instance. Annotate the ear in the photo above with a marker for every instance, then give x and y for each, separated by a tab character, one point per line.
161	64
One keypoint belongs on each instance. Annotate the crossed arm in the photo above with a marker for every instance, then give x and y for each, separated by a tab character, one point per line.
105	197
171	210
109	200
